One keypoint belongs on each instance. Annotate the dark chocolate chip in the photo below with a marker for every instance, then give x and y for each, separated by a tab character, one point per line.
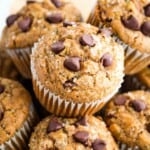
82	121
130	23
54	18
1	114
87	39
137	105
145	28
147	10
120	100
73	64
11	19
2	88
148	127
106	60
81	136
67	23
57	47
99	145
25	24
30	1
54	125
57	3
69	84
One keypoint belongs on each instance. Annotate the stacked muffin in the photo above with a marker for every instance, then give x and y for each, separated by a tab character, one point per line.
76	69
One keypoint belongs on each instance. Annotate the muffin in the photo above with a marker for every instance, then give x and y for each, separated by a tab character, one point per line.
77	70
31	22
86	133
17	115
128	118
130	22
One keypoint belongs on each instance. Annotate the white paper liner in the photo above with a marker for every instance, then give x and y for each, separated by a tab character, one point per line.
135	61
126	147
21	59
20	139
61	107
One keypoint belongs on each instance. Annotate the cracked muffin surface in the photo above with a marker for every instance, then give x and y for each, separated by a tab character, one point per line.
15	104
86	133
78	63
34	20
128	118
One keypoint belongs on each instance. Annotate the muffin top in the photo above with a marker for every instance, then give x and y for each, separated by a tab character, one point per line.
130	19
78	63
86	133
144	76
15	103
128	118
35	19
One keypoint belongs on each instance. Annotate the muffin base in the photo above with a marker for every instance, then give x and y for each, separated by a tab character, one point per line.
21	59
20	139
135	61
126	147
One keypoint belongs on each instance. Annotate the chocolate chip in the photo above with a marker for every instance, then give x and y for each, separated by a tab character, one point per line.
106	60
57	3
57	47
87	39
1	114
54	125
137	105
54	18
82	121
25	24
99	145
82	137
131	22
120	100
67	23
147	10
30	1
73	64
145	28
69	84
2	88
11	19
148	127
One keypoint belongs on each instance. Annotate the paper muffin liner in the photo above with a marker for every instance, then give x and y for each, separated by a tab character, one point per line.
20	139
21	59
135	61
123	146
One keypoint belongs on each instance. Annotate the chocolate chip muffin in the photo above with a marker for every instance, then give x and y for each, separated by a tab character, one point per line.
17	115
77	70
31	22
130	22
128	118
86	133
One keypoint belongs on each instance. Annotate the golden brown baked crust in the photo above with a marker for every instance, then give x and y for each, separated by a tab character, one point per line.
144	76
63	138
128	118
14	37
92	80
16	102
127	17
